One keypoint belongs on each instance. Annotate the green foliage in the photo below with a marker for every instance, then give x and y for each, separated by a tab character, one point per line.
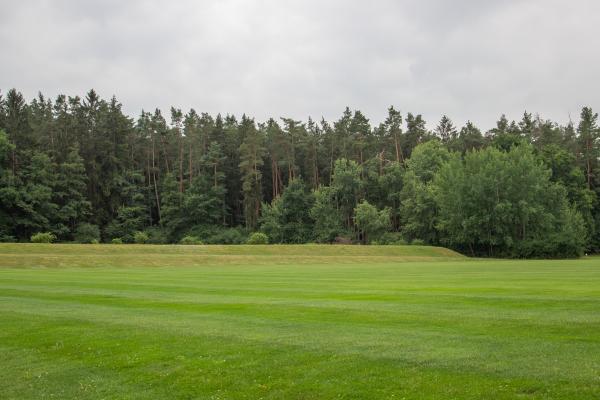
87	233
69	194
77	160
211	234
203	203
43	237
116	241
132	215
258	238
328	218
371	222
391	238
345	188
252	151
287	219
190	240
503	203
156	235
418	210
172	214
140	237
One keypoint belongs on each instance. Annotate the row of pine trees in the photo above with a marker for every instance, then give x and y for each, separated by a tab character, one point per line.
73	165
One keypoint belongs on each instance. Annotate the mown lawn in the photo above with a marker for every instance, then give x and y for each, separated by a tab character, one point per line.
294	322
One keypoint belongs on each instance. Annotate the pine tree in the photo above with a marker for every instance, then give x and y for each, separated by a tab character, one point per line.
252	151
69	195
446	130
588	142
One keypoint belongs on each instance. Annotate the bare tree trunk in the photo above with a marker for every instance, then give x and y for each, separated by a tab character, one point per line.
180	163
588	162
155	185
215	173
164	146
191	171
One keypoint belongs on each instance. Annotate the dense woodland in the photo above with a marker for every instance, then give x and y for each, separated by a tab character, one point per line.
82	170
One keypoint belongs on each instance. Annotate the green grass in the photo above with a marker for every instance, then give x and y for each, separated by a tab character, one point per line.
294	322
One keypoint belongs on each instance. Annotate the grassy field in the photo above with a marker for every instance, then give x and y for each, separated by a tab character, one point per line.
294	322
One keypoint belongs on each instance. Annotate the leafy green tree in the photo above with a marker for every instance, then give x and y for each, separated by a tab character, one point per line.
287	219
7	191
28	198
418	210
202	203
469	138
564	170
69	193
371	223
391	184
346	184
503	203
271	221
173	217
505	136
132	214
327	216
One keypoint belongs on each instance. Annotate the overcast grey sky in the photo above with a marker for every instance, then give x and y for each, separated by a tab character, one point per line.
466	58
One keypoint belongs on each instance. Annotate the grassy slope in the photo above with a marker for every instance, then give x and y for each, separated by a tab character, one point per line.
349	322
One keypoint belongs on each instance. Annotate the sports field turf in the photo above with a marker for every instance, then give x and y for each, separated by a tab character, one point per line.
294	322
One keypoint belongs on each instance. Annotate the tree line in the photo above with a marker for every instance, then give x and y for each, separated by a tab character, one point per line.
82	170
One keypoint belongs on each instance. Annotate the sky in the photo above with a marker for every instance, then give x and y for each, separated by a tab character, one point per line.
469	59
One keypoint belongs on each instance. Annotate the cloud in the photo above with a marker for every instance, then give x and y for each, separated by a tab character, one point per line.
468	59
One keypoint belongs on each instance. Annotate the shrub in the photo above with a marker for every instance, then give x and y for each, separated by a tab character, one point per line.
190	240
418	242
5	237
218	235
228	236
43	237
87	233
157	235
258	238
392	238
117	241
94	241
140	237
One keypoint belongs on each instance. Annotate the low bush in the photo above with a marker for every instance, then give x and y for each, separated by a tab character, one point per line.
258	238
218	235
157	235
117	241
554	246
87	233
391	238
190	240
140	237
418	242
43	237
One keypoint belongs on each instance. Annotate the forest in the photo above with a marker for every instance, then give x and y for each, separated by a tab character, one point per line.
80	169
